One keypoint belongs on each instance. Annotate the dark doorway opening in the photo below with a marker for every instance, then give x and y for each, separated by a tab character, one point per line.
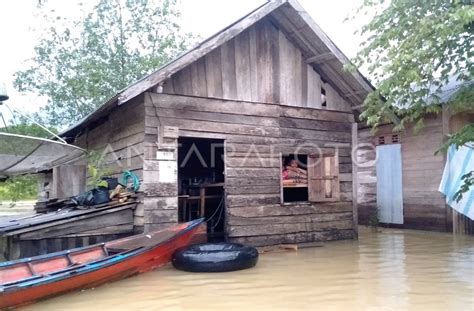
201	183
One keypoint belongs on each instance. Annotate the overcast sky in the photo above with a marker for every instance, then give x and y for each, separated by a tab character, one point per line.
202	17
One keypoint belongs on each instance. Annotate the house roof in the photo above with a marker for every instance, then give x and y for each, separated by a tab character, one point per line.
23	224
440	95
293	20
447	92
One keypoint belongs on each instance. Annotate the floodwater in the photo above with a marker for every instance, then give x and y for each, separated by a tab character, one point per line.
388	270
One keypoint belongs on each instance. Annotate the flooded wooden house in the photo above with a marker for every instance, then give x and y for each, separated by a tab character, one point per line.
400	189
252	129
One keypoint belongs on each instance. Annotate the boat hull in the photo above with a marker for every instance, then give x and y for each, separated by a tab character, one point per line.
118	267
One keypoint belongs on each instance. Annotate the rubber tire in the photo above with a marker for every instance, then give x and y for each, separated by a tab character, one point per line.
215	257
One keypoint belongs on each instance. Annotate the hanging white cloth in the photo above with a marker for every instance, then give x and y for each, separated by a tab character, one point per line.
459	162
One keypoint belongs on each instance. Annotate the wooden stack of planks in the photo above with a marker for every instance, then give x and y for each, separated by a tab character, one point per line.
121	194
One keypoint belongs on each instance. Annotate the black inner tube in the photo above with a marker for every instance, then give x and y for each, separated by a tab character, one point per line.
215	257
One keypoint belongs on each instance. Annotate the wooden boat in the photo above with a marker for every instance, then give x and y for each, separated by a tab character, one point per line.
30	279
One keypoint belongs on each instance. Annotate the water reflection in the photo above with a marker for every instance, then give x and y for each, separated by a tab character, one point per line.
389	270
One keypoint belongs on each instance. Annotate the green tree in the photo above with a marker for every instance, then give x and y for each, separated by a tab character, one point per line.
24	127
19	188
412	48
80	64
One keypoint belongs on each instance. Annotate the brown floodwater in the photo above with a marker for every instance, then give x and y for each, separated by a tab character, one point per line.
388	270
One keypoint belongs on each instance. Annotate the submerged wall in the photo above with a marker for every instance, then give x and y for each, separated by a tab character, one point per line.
255	135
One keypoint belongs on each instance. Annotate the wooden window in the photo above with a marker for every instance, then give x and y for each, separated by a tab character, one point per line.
324	103
294	180
313	178
323	177
388	139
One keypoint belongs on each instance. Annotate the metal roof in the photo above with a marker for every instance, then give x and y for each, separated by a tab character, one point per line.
449	90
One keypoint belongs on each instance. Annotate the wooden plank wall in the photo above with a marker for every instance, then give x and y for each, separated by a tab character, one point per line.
366	176
4	248
28	248
65	234
259	65
255	135
424	207
461	225
68	180
120	137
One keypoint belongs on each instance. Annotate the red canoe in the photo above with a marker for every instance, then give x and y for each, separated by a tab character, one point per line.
27	280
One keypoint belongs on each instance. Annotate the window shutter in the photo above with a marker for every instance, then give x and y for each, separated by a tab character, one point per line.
323	177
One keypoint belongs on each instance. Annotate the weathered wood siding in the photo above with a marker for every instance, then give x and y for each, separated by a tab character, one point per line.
68	180
461	224
366	176
255	134
119	136
424	207
47	233
259	65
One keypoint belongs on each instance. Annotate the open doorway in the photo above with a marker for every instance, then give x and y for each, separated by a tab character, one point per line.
201	183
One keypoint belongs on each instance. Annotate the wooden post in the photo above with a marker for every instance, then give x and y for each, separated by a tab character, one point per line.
450	213
226	216
68	180
355	213
281	179
202	195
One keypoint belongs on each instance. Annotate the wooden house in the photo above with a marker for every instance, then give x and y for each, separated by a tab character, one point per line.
401	187
210	133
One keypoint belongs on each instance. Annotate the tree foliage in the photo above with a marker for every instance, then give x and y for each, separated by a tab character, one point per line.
24	127
79	64
412	49
19	188
468	180
97	170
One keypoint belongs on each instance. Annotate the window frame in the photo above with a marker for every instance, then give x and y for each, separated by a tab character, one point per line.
282	186
334	177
